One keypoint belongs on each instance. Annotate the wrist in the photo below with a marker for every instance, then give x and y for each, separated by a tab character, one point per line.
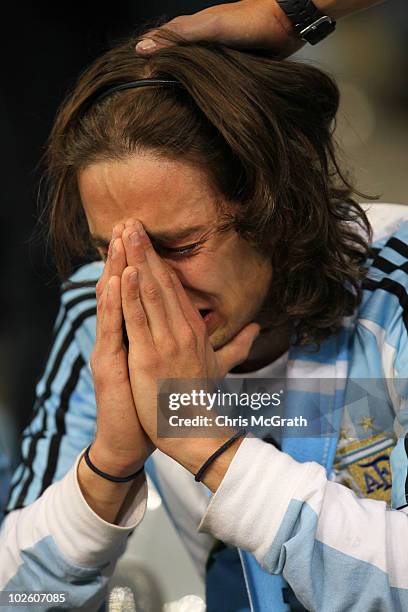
310	22
119	464
192	453
283	20
327	7
105	498
283	39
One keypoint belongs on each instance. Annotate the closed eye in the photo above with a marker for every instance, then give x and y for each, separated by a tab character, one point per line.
183	251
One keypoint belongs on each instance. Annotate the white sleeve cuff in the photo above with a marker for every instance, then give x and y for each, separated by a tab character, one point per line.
249	505
83	536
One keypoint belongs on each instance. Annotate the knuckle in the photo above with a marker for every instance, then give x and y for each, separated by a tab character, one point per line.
152	292
150	361
112	327
106	368
188	339
173	276
118	369
99	288
138	317
94	364
166	280
177	23
93	358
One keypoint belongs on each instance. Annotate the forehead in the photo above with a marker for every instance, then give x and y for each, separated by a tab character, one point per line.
163	194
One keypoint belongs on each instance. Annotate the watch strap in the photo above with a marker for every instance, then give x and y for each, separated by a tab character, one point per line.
307	20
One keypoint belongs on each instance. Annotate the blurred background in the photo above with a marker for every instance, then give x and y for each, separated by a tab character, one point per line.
47	44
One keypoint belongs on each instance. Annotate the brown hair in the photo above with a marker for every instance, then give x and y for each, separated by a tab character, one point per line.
262	129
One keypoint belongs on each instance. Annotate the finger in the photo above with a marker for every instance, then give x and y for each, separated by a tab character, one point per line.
117	258
164	276
111	340
183	318
258	24
100	305
204	25
132	242
135	256
115	264
237	350
135	317
159	301
103	279
102	284
130	222
191	313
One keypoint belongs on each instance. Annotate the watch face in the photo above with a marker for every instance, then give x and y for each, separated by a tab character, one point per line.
315	33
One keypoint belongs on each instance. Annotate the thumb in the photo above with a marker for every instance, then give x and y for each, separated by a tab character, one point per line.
237	350
204	25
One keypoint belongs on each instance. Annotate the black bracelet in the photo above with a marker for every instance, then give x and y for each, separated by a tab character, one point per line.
108	476
217	453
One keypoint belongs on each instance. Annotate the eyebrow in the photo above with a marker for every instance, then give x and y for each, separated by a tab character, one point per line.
156	237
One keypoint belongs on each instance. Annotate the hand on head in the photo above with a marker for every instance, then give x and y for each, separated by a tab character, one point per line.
254	24
247	24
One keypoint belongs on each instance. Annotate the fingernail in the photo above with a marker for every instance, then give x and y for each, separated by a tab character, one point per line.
133	277
134	238
146	45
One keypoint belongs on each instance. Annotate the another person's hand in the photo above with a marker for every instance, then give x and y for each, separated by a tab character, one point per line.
255	24
246	24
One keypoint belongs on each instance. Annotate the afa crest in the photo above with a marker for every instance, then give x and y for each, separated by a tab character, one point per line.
364	466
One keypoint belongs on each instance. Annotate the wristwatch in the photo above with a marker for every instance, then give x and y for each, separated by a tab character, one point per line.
309	23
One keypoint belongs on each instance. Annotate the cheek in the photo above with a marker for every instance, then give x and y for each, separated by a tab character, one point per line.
233	272
198	272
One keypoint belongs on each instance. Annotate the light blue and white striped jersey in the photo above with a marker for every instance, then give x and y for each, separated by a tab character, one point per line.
288	512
